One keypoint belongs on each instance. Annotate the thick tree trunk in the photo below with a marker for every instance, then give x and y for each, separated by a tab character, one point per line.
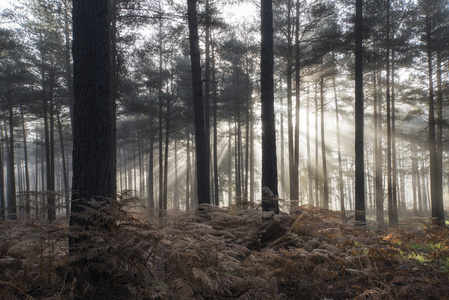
269	164
201	137
92	113
360	216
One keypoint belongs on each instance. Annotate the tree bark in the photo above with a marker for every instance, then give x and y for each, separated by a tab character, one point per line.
269	165
201	137
92	113
360	216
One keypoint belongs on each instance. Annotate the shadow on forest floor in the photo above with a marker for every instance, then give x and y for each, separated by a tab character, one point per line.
227	254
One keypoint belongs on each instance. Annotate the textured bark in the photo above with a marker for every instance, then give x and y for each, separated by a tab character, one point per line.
269	165
201	138
92	112
359	119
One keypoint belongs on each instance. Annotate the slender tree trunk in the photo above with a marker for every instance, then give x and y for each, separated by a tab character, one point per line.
201	137
435	179
293	166
309	158
252	181
67	56
439	212
160	128
215	118
2	177
176	185
167	140
282	149
188	170
340	169
323	149
297	101
393	144
11	196
229	164
414	184
64	168
50	153
317	177
247	130
360	215
151	171
378	149
27	173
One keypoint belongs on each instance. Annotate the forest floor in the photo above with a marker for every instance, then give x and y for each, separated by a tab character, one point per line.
226	253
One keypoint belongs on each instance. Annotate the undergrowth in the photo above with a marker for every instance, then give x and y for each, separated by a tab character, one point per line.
222	254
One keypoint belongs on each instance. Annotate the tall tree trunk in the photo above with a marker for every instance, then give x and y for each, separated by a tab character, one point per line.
309	158
2	177
435	179
420	191
167	140
325	204
378	149
11	196
252	181
360	215
92	154
50	151
201	137
293	168
151	171
247	130
317	177
297	102
160	128
215	120
393	145
414	184
188	170
439	212
27	173
176	184
340	169
282	179
229	164
67	56
64	168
